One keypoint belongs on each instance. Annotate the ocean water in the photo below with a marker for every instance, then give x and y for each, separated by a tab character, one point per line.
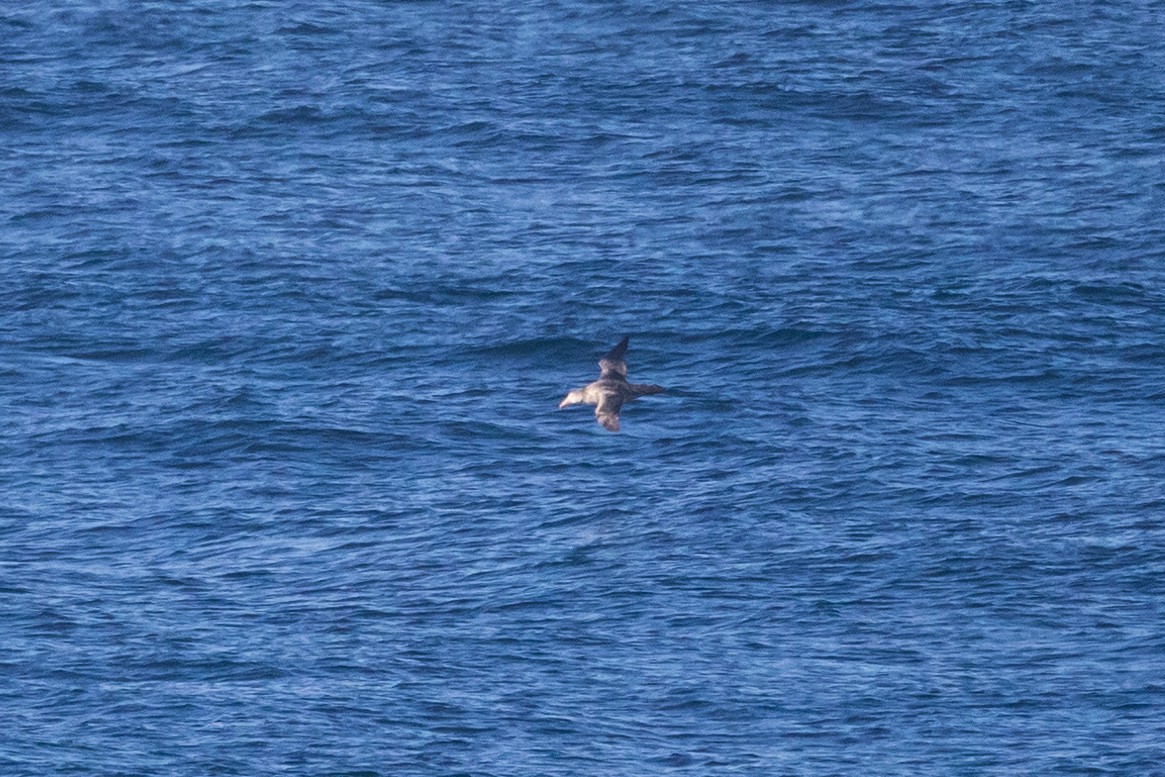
291	291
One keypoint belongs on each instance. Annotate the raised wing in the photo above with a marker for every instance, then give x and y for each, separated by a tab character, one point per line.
612	365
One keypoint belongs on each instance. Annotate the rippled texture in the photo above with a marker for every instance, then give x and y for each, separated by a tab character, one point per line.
292	290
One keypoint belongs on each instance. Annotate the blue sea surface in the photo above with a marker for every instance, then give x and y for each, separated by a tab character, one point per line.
290	293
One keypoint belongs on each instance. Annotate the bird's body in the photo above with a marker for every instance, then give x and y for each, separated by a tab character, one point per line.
611	391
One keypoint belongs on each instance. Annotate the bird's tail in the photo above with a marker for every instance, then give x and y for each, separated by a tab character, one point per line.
643	389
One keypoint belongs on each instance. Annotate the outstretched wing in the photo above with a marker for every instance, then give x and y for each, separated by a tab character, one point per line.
612	365
610	421
607	411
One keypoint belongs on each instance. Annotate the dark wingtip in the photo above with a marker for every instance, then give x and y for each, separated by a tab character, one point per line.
620	349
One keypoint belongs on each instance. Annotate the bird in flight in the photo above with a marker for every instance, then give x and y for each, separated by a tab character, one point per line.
611	390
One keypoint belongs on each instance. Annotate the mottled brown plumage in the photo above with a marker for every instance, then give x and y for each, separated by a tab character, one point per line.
609	393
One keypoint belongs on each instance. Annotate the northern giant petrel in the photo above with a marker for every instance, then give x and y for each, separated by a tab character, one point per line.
611	390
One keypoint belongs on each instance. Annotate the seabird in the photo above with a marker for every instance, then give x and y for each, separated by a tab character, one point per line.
611	390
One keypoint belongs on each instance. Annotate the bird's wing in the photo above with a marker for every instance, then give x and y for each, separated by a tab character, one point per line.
612	364
607	411
610	421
